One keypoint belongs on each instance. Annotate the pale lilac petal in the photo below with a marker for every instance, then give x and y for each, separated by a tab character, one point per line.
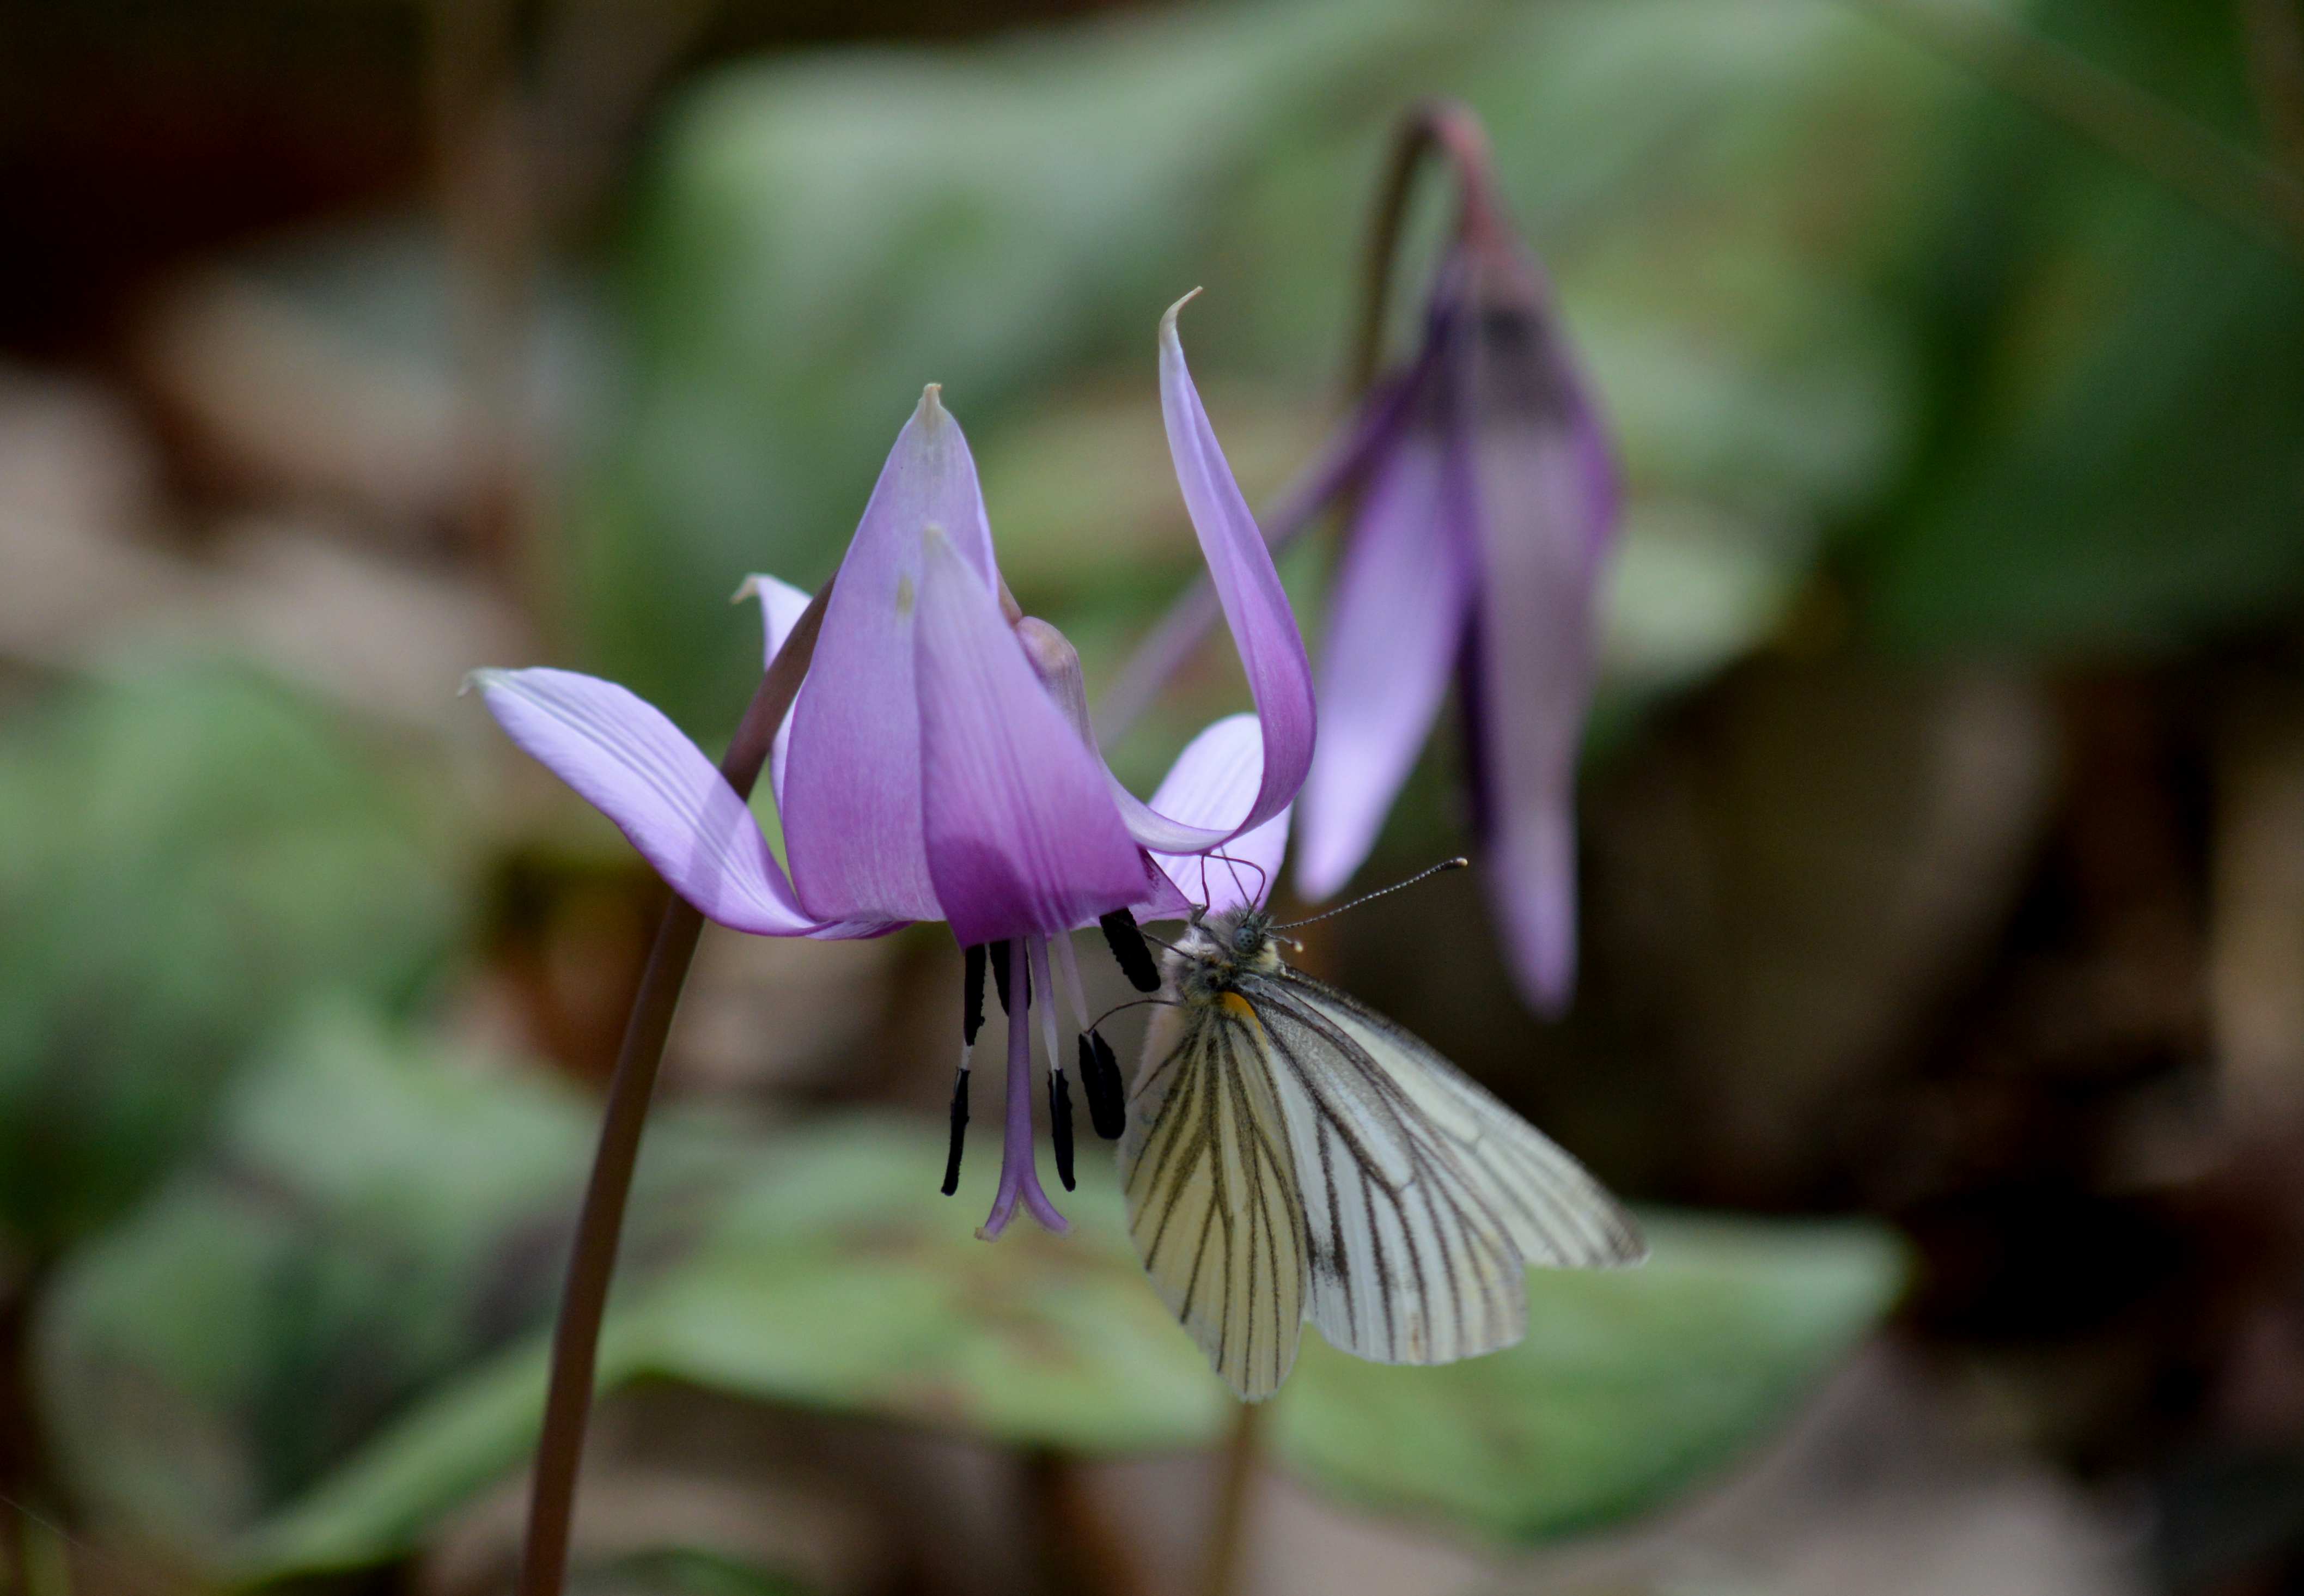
1022	836
1547	498
1342	461
851	796
634	766
1255	608
782	604
1395	628
1213	784
1163	898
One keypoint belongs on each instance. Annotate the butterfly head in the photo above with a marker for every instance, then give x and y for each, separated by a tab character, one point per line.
1219	949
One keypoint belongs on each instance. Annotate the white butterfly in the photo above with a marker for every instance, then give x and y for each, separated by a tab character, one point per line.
1290	1155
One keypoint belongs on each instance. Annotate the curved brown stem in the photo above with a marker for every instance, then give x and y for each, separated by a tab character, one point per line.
1220	1576
599	1226
1435	127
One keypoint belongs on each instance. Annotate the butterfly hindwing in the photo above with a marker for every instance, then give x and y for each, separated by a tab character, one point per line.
1423	1195
1212	1196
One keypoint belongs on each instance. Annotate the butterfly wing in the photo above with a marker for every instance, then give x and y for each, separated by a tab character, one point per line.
1213	1202
1423	1196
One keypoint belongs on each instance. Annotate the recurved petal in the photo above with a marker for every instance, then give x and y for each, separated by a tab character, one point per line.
1547	498
1395	628
1255	608
634	766
1022	837
1213	784
852	791
780	607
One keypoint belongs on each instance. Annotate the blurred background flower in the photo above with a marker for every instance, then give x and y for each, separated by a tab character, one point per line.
1942	897
1481	525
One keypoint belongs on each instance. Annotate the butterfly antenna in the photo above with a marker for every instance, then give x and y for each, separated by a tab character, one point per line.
1447	864
1263	878
1097	1022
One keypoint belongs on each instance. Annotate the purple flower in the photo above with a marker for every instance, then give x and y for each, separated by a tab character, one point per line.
938	763
1487	507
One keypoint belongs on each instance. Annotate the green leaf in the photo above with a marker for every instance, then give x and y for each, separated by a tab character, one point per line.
2107	464
841	1279
371	1219
2135	487
835	1278
1629	1387
684	1570
308	1354
183	855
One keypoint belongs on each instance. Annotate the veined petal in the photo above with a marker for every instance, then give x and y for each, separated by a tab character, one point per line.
1547	498
1395	628
1255	608
1213	784
1342	461
634	766
1022	837
780	607
851	801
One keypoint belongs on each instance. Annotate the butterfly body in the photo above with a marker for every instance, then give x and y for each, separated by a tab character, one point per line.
1290	1155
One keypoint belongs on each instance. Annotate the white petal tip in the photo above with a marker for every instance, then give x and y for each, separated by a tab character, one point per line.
480	679
1168	320
932	403
750	588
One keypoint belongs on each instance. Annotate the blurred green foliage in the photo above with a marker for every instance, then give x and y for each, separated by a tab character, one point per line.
329	1335
184	853
1866	327
2110	462
1629	1386
374	1216
1842	300
682	1571
827	234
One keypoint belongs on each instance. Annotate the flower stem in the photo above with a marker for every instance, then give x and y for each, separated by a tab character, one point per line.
599	1226
1220	1576
1442	127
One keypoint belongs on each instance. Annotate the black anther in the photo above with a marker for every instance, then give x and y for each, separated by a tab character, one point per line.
1107	1103
959	1133
971	993
1127	944
1060	1125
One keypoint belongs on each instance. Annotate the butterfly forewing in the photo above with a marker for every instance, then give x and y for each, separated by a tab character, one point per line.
1212	1192
1556	1214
